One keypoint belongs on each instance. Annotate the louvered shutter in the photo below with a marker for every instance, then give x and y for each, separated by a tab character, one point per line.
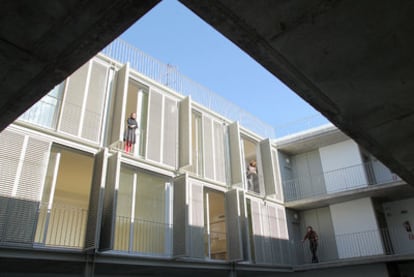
170	132
120	98
219	149
154	126
110	202
96	200
235	224
180	216
235	155
208	148
185	133
11	145
278	178
268	167
33	172
92	121
257	230
196	220
73	101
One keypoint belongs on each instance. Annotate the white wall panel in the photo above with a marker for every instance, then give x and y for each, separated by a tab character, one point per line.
342	166
356	229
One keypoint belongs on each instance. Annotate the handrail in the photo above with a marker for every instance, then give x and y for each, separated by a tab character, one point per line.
169	76
342	179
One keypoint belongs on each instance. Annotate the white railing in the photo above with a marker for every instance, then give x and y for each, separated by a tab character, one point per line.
333	181
302	124
169	76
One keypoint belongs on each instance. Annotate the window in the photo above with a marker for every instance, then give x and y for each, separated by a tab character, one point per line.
251	163
143	213
197	143
46	111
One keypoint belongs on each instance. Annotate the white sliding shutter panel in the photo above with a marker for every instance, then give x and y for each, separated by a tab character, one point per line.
95	100
281	215
208	148
73	101
220	153
10	148
235	224
196	221
278	179
268	168
96	200
180	216
257	230
185	133
154	126
34	169
170	132
118	116
235	155
110	202
274	234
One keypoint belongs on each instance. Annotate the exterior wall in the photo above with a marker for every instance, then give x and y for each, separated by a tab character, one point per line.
356	229
397	214
342	166
373	270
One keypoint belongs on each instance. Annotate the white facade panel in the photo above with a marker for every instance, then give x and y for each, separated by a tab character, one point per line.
400	221
356	229
342	166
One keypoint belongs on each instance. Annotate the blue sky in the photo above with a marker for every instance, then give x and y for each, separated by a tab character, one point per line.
173	34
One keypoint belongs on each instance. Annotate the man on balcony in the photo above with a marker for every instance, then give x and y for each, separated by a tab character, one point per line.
312	236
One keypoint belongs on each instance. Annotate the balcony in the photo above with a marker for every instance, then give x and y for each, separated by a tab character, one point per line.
339	180
370	246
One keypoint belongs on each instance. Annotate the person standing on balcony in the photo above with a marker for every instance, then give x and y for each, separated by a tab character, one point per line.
312	236
252	180
129	135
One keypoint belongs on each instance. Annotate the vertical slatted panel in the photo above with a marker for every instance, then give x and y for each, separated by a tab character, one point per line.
180	213
154	126
170	132
196	220
234	221
96	200
73	101
110	202
208	148
258	239
118	116
274	234
267	253
10	148
185	133
34	169
268	167
219	149
95	102
235	154
281	215
278	178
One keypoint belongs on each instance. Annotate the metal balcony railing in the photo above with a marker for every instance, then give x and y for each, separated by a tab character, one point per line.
142	236
370	243
61	226
352	177
169	76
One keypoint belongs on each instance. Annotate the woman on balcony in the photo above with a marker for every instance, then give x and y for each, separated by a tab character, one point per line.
129	135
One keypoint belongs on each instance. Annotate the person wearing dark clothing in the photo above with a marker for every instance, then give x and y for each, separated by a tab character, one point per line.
129	135
312	236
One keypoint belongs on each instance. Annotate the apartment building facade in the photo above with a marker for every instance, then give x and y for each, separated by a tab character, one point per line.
182	201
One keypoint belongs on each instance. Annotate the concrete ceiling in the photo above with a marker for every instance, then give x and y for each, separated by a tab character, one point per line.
351	60
44	41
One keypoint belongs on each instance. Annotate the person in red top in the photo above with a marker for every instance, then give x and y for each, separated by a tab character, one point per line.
312	236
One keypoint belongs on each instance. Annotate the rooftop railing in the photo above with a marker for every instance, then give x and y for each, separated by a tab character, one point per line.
343	179
169	76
